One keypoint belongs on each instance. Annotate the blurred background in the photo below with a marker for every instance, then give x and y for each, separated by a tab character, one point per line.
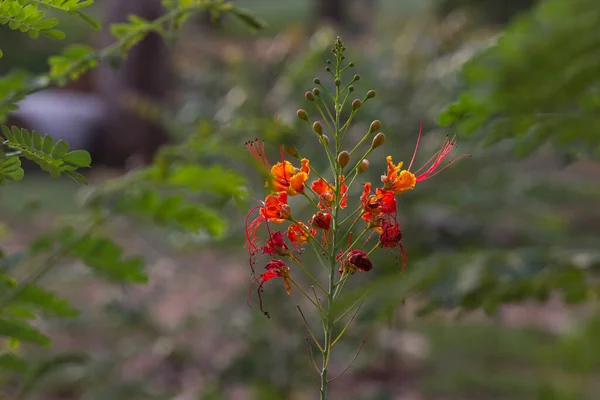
499	297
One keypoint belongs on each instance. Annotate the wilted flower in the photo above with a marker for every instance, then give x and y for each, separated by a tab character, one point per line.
275	269
354	260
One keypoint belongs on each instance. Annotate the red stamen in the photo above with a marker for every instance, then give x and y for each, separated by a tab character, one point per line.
417	145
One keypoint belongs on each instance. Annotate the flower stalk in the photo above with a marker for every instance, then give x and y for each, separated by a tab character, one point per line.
340	244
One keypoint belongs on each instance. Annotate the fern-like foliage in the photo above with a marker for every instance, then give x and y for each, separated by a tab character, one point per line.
523	89
28	16
52	157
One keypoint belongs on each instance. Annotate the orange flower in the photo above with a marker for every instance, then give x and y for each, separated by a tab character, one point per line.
327	191
399	180
284	176
380	204
300	234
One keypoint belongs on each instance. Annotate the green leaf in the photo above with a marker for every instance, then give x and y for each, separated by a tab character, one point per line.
78	158
22	331
249	18
40	299
38	141
10	169
87	19
48	144
11	362
46	24
54	34
50	366
60	149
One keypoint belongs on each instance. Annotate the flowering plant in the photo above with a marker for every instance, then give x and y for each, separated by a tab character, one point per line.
342	241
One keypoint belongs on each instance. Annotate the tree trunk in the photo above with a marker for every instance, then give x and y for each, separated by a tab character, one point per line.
143	76
331	11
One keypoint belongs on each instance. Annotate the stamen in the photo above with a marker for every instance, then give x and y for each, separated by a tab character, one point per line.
417	146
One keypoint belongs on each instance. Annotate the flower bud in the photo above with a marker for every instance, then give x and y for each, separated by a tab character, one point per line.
357	77
317	81
321	220
351	88
328	69
285	211
302	115
325	139
351	65
375	126
291	151
370	94
316	91
309	96
318	127
356	104
337	82
378	140
343	158
364	166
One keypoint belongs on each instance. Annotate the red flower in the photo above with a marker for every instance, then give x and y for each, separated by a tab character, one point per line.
327	191
284	176
276	245
391	237
321	220
275	269
399	180
274	209
354	260
378	205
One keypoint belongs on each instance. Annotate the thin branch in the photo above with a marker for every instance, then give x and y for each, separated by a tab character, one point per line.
347	325
312	357
309	330
349	309
349	365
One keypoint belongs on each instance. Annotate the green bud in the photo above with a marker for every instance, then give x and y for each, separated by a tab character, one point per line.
325	139
356	104
378	140
357	77
309	96
370	94
364	166
316	91
351	88
337	82
328	69
317	81
302	115
318	128
343	158
291	151
351	65
329	62
375	126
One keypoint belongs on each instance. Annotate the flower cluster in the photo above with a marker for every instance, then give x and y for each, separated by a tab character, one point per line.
345	226
330	196
377	208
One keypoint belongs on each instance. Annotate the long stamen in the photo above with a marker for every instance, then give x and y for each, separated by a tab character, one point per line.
417	146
